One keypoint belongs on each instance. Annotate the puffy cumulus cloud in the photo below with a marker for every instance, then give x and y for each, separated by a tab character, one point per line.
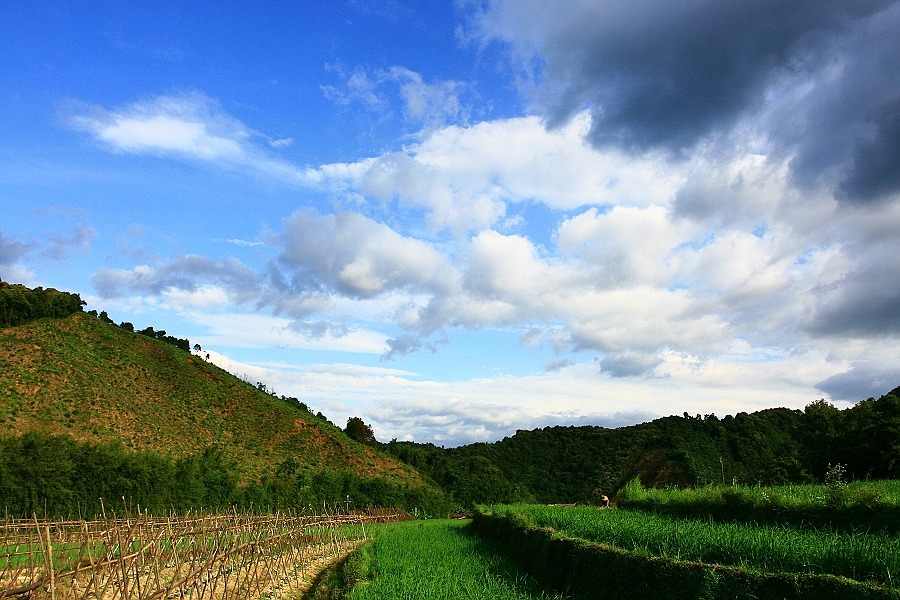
506	267
188	126
504	281
354	255
625	245
464	178
817	79
646	320
740	268
556	167
741	190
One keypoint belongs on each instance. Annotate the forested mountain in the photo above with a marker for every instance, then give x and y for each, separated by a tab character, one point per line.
84	400
575	464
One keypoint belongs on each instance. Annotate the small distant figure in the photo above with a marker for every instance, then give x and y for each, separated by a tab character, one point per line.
604	502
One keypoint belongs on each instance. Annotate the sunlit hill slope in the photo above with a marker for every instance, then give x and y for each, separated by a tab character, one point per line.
82	377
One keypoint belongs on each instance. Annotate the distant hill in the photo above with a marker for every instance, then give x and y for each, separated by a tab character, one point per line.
575	464
87	379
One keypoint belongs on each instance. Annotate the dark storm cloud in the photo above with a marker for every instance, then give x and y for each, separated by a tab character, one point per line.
859	383
820	78
866	302
664	73
846	129
875	171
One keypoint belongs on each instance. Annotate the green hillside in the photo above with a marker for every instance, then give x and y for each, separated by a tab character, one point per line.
92	410
81	377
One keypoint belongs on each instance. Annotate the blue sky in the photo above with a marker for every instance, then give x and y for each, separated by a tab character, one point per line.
456	220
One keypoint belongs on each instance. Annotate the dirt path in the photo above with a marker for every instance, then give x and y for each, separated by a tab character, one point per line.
306	574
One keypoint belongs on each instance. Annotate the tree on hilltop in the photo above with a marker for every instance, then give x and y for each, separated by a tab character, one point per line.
359	431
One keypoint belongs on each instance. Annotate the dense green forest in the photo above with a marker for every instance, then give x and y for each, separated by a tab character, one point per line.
577	464
58	476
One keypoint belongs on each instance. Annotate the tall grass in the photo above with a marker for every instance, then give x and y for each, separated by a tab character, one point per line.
864	557
438	559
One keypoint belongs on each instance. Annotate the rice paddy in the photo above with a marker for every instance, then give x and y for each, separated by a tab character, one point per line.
859	556
439	559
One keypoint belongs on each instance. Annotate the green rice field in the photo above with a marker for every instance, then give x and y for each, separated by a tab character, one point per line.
859	556
438	559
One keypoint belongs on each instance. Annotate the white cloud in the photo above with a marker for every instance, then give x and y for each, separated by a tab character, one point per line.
428	105
465	177
626	245
356	255
206	297
242	330
189	126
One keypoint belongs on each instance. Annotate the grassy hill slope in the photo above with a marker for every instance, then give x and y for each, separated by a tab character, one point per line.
81	377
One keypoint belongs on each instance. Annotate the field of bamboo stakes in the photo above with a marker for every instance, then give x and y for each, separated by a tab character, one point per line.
216	556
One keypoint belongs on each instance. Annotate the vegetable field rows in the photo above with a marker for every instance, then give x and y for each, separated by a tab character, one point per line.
201	556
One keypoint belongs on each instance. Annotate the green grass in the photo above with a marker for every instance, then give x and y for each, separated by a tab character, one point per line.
871	494
849	507
437	559
863	557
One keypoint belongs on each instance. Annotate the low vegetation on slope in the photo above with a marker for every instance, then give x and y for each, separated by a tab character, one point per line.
81	377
